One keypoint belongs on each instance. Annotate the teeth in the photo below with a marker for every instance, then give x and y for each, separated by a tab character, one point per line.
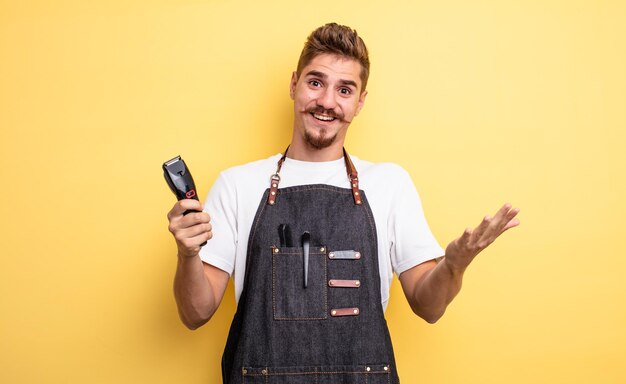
323	117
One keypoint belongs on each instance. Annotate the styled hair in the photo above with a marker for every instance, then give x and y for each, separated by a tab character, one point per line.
336	39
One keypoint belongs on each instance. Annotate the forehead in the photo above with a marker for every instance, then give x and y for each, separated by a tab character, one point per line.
335	67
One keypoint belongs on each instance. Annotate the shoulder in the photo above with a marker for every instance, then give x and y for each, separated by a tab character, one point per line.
387	185
251	172
252	167
244	180
390	174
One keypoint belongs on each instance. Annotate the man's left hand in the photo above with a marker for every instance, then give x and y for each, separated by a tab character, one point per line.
461	252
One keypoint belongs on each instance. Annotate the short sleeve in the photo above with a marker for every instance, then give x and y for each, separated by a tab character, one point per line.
412	241
221	205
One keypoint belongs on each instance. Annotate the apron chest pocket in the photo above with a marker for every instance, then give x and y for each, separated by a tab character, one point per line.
291	299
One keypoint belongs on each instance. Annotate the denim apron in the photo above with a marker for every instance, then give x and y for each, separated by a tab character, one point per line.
310	311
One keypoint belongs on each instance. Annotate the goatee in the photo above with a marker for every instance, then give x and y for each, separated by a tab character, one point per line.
320	141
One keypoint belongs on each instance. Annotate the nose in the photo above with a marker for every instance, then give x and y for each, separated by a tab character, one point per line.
327	99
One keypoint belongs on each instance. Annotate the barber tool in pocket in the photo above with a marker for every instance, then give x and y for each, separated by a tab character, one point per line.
299	277
284	235
179	179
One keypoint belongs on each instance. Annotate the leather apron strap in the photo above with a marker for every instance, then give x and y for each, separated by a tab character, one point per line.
353	177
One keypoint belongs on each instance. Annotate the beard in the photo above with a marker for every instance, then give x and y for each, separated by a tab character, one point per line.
320	141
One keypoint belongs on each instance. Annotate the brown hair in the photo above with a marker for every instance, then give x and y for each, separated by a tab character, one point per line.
336	39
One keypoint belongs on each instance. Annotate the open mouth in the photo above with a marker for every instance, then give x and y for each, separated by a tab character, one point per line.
322	117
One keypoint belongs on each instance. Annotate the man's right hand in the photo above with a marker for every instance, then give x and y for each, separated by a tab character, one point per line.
190	230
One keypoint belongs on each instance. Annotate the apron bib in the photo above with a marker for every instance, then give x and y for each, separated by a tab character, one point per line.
310	311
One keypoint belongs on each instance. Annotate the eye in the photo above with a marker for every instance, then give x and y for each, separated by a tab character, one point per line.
345	91
315	83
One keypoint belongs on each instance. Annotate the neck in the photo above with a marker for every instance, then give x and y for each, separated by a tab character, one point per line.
303	152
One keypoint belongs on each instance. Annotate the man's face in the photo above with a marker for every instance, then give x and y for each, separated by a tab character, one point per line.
327	96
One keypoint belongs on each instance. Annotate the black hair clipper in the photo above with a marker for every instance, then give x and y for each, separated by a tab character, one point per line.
180	181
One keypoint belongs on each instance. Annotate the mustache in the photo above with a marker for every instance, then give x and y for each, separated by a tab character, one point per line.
322	111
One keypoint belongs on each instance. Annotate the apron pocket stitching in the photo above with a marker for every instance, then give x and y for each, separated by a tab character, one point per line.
281	257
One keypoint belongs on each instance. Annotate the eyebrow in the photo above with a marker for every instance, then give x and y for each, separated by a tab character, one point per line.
322	75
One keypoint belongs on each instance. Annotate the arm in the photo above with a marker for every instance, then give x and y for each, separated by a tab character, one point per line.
430	287
198	287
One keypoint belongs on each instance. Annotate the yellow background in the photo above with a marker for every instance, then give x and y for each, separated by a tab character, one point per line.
481	101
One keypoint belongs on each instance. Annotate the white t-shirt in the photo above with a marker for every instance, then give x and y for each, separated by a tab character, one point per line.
404	238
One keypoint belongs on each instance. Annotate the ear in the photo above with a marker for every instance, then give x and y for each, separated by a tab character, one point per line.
361	102
292	85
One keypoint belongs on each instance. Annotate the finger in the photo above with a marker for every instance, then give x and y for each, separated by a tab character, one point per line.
464	240
506	219
190	205
511	224
201	238
191	238
504	210
193	244
194	218
190	232
491	234
500	216
482	227
512	213
184	205
466	235
205	234
500	220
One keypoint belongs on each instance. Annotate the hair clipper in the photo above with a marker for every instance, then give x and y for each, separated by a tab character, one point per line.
180	181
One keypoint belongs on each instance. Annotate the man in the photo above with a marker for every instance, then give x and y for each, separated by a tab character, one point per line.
312	239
